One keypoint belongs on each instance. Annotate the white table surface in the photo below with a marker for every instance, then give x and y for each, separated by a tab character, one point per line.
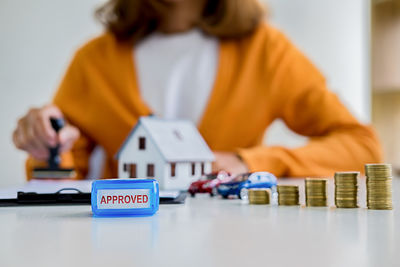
203	232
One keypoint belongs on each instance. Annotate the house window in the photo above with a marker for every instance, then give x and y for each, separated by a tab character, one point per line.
193	169
150	170
202	168
142	143
173	169
131	169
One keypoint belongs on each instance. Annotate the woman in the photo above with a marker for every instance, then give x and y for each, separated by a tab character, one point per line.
213	62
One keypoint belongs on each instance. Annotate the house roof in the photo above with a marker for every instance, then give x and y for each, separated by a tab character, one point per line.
177	140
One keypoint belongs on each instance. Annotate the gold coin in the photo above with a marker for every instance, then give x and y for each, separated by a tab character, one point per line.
288	197
258	196
378	166
347	206
288	203
287	189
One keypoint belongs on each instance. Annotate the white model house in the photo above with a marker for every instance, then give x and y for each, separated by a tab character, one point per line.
171	151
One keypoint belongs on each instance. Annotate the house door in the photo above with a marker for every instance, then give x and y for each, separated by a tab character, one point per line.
150	170
131	170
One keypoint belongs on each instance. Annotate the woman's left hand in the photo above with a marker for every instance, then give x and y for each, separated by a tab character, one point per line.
229	162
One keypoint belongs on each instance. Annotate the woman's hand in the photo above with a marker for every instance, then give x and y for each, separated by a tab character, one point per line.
35	135
229	162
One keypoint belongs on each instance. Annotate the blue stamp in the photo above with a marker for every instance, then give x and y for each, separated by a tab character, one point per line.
125	197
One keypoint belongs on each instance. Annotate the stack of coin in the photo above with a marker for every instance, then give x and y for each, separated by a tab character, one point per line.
379	186
288	195
259	196
316	192
346	189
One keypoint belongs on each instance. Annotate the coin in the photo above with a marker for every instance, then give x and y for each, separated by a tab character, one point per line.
346	189
316	192
259	196
379	186
288	195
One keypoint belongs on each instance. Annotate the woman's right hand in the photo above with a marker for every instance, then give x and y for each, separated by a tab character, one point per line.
35	135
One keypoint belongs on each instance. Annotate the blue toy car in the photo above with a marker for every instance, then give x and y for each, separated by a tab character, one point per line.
240	184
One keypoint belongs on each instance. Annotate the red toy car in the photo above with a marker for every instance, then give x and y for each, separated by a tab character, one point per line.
208	183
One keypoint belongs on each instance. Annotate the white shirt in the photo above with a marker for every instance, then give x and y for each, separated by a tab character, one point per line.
176	73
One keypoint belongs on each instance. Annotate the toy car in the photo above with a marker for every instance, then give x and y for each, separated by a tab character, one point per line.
208	183
240	184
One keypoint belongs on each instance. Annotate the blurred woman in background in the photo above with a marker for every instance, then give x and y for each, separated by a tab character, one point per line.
214	62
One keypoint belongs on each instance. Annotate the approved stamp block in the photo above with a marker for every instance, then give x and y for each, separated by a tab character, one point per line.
125	197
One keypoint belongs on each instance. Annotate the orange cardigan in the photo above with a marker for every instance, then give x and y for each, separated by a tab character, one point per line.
260	78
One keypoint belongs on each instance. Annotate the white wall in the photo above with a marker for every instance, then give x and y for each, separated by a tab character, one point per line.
37	40
183	176
335	35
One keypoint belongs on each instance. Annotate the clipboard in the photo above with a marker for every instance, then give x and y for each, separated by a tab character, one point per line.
74	194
